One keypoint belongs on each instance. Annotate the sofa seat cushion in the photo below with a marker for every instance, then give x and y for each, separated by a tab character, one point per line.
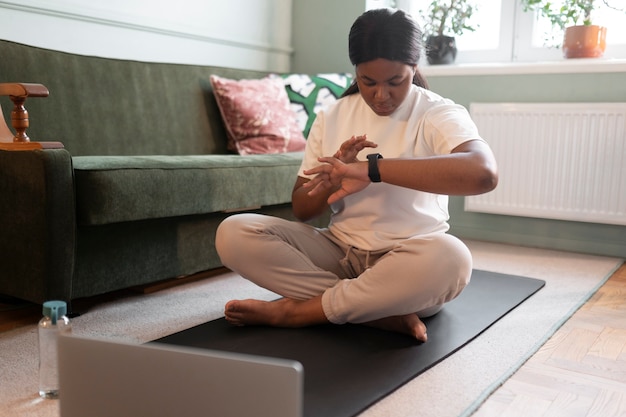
112	189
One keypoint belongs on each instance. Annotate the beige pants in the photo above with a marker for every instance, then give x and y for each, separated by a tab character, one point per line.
298	261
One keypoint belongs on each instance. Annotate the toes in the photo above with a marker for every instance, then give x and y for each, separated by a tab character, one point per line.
234	322
233	319
231	306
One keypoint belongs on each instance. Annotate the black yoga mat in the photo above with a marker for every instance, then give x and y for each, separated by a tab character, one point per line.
347	368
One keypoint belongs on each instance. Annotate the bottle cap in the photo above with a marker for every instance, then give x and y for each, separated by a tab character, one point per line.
54	310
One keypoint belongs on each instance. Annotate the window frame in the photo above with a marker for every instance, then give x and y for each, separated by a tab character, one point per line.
524	50
516	37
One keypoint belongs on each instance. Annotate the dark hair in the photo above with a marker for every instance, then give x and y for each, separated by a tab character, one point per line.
389	34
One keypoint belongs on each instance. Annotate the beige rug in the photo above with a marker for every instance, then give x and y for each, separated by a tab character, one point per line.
455	387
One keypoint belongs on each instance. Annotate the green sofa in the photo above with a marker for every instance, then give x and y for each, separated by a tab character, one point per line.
144	177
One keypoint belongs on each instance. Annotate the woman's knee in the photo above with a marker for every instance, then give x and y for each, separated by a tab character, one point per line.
459	256
245	235
457	264
229	233
447	262
430	311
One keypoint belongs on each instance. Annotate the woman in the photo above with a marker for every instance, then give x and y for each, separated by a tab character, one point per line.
385	260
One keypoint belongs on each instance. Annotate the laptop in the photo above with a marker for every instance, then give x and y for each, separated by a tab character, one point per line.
101	378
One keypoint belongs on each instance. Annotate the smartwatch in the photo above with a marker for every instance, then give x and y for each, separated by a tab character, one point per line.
372	167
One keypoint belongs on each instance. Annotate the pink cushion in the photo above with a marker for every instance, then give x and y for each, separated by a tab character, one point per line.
257	116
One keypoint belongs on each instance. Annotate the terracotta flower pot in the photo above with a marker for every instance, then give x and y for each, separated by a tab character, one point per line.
584	41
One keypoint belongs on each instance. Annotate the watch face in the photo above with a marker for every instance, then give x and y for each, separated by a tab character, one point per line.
372	167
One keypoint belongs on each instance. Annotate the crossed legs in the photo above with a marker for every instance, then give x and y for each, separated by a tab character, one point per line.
305	266
287	312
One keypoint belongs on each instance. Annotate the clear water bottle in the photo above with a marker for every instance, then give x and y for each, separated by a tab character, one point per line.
53	323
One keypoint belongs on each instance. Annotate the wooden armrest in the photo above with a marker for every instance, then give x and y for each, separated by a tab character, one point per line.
18	92
23	90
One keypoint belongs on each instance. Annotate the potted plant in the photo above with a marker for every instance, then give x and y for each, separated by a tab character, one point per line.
581	37
442	21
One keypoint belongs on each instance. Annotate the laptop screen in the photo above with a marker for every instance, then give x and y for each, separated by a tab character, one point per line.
106	378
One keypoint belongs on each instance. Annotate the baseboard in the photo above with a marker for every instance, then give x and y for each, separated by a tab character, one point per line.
588	246
162	285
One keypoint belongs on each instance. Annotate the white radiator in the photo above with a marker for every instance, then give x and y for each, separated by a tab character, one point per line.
556	160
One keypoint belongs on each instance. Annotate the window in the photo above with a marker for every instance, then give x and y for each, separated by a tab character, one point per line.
508	34
535	34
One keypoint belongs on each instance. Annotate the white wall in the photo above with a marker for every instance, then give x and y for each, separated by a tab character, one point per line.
251	34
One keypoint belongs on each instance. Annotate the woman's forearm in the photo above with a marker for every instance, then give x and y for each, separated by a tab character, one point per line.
459	173
307	207
469	170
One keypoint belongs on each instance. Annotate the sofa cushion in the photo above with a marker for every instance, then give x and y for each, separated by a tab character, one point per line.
111	189
257	116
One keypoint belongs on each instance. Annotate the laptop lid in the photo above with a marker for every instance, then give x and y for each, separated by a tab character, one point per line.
104	378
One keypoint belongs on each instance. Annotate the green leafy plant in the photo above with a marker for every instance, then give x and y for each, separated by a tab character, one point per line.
567	12
564	13
451	17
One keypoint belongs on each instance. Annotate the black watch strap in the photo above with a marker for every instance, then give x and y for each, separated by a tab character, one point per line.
372	167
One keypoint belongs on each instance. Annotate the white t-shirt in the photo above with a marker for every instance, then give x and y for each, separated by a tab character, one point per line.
381	215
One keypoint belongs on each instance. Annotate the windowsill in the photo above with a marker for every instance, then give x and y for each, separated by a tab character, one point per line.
570	66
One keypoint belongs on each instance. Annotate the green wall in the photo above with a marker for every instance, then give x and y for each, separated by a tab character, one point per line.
320	34
593	87
573	236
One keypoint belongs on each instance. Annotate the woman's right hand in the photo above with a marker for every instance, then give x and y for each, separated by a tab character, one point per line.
306	205
349	149
337	177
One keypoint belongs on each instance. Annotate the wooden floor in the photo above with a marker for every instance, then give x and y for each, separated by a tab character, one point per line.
580	371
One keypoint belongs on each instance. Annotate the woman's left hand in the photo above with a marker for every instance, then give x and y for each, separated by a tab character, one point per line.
334	174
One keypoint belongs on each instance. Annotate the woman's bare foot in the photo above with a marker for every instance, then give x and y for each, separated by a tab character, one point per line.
408	324
284	312
287	312
253	312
